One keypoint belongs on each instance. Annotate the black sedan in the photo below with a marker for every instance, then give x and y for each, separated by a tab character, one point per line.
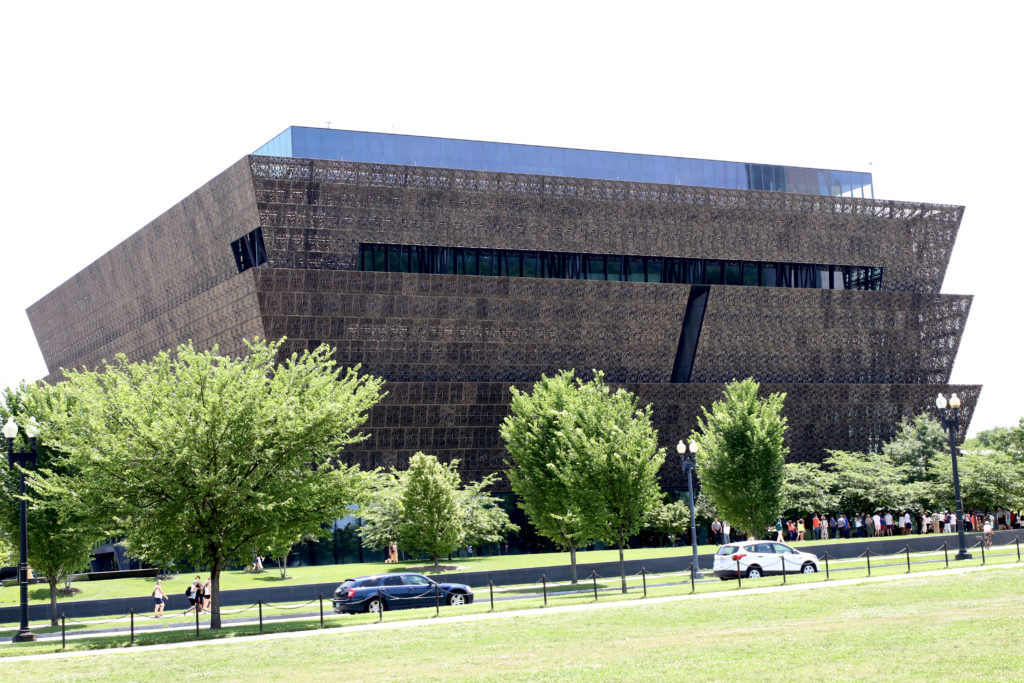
397	591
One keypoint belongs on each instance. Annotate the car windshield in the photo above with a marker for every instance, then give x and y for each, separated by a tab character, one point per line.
727	550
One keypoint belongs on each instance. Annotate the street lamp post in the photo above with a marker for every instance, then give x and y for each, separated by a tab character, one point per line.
28	457
689	458
951	421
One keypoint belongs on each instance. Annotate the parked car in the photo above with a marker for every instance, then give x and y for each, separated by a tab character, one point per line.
754	559
397	591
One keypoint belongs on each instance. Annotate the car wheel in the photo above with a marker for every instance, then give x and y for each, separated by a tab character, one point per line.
456	599
754	573
375	605
808	568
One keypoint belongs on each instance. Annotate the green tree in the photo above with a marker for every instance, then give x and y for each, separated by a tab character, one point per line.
538	455
426	510
988	480
431	517
672	519
612	464
742	455
1008	440
865	482
807	488
484	519
915	446
60	537
381	512
198	455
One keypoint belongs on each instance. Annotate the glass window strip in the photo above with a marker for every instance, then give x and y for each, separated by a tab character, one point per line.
434	260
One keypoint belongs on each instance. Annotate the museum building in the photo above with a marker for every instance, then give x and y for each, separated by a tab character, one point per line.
456	268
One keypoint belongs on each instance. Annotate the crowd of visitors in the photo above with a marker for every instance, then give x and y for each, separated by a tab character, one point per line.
864	525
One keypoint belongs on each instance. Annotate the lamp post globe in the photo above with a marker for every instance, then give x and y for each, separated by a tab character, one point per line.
950	418
10	432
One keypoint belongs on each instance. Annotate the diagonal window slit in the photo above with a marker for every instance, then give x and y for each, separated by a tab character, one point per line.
693	319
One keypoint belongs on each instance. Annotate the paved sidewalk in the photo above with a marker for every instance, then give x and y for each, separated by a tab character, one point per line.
490	616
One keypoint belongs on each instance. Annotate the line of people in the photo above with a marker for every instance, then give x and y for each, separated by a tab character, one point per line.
865	525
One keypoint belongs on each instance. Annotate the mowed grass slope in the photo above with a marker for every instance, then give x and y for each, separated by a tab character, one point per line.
927	628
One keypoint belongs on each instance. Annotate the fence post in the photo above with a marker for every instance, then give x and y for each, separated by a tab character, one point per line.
131	613
321	610
260	603
908	558
197	621
63	635
693	581
1017	540
643	576
983	553
437	600
867	554
491	586
739	576
380	607
783	570
945	550
827	576
593	575
544	582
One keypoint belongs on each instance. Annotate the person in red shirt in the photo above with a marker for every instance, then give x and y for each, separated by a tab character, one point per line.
816	523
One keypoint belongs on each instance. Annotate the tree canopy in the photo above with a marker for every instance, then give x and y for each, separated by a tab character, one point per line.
612	464
742	453
59	538
201	456
425	509
538	455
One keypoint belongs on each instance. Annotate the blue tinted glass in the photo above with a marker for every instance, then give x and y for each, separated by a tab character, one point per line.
316	143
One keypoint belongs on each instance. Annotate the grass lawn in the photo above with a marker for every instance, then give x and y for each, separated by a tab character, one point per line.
121	588
928	628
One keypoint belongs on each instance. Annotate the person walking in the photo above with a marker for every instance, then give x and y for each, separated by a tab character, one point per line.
824	528
207	594
800	529
159	599
816	526
778	530
716	531
876	522
393	552
726	530
193	594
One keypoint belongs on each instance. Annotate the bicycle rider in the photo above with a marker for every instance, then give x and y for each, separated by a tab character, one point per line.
987	533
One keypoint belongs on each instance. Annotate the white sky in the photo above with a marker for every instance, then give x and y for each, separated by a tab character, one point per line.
114	112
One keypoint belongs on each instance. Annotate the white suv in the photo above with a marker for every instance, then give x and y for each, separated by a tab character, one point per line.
754	559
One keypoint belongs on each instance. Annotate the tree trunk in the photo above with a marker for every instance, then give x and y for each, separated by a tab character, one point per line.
622	563
282	566
53	597
435	560
572	562
215	593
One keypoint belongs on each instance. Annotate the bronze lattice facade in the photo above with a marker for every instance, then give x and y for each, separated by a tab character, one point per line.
852	362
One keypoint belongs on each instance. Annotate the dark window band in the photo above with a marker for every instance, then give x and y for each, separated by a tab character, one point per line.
399	258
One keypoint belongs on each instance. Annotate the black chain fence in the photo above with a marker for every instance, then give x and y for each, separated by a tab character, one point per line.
385	598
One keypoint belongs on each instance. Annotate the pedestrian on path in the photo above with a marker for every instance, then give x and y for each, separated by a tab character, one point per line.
193	594
207	592
159	598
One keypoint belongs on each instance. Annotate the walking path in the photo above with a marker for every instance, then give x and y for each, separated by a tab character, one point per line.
490	616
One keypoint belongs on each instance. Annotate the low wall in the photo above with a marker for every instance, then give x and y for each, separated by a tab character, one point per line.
77	609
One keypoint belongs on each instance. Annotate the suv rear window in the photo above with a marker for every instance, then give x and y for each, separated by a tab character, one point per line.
727	550
363	583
